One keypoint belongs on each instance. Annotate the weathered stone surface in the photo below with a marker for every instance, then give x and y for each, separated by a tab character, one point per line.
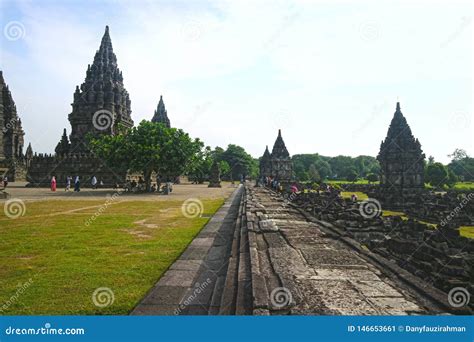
165	295
178	278
322	275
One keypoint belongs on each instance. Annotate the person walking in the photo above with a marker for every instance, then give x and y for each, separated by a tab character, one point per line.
5	182
77	184
68	183
94	182
53	183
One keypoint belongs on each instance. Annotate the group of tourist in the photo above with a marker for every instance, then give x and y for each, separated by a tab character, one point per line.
131	185
77	183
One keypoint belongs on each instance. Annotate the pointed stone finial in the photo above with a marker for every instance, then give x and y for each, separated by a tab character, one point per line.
161	115
398	107
279	132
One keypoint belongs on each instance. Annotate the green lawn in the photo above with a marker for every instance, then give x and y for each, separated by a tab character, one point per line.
127	248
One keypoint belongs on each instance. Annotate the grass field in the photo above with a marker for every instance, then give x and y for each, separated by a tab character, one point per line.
58	260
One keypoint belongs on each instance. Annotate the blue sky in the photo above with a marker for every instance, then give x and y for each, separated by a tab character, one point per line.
328	73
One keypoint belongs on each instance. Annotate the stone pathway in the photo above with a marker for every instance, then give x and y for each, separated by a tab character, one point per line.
260	255
298	267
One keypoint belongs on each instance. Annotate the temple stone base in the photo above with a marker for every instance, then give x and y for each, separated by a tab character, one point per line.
399	200
15	170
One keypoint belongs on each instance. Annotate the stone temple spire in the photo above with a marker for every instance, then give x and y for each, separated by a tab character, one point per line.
279	149
399	136
11	131
63	146
401	160
161	115
280	160
103	90
265	163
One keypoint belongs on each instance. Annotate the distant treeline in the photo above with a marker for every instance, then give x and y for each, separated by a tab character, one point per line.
316	168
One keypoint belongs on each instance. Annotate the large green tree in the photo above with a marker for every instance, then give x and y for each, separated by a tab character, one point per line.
240	162
462	165
150	147
436	174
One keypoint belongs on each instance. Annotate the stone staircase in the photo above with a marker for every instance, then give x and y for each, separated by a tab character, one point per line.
236	297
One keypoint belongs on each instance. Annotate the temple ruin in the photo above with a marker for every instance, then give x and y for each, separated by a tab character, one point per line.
402	164
101	105
278	164
12	160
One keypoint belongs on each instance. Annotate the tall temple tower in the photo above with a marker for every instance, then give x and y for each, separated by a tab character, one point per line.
11	136
101	103
402	163
266	163
280	161
11	143
161	115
